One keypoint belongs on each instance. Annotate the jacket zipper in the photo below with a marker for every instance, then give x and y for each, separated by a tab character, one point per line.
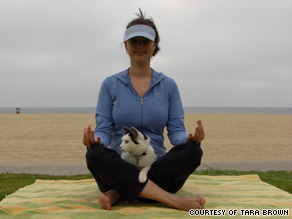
141	102
141	99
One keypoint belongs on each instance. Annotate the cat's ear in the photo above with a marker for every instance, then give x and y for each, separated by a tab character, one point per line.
126	130
135	132
145	137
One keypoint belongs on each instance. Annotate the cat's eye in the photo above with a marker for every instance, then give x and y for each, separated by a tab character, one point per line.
126	141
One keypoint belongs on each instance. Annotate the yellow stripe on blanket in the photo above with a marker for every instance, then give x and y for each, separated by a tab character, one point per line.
235	196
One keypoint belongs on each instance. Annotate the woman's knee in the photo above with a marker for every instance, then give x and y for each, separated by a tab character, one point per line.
91	157
193	152
198	150
102	157
95	156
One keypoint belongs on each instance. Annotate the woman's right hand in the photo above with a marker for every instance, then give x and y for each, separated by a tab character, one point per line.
88	137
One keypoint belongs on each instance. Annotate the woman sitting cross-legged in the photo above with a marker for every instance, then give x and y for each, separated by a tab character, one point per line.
143	98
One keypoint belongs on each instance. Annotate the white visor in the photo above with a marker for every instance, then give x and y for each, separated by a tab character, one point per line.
140	31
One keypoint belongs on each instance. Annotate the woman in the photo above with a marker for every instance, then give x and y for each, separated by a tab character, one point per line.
142	98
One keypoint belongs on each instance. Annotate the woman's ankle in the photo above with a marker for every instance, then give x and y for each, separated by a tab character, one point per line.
108	199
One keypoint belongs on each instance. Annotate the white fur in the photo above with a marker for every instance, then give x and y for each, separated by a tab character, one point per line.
133	153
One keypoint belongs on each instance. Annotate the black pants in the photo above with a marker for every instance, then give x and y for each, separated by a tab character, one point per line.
169	172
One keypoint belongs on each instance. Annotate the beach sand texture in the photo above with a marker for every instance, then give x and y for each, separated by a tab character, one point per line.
32	139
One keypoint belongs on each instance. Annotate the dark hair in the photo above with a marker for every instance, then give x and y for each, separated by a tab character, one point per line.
149	22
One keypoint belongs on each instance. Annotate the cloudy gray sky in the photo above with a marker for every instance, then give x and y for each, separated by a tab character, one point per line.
220	52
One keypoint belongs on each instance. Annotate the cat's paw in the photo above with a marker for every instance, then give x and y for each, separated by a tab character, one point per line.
142	177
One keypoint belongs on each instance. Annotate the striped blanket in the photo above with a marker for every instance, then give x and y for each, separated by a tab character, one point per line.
227	197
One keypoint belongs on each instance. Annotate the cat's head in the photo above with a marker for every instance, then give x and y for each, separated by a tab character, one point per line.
134	141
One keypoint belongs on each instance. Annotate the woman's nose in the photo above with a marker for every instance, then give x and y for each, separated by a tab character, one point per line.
140	44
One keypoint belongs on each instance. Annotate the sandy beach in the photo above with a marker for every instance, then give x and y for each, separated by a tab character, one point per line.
55	139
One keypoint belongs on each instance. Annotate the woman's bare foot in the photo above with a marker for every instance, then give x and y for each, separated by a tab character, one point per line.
187	203
108	199
154	192
202	202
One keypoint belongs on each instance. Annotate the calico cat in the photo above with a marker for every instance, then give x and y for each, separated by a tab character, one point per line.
136	150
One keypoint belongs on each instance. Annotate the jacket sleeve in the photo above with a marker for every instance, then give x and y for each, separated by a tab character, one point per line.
175	125
103	115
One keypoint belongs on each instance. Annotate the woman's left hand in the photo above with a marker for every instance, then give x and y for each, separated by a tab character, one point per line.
199	133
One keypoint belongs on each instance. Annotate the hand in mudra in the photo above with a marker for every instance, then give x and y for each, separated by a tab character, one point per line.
88	137
199	133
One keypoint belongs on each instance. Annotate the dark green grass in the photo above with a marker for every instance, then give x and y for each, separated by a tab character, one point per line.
10	182
279	179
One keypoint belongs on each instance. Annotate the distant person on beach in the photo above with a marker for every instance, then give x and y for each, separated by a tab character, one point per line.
143	98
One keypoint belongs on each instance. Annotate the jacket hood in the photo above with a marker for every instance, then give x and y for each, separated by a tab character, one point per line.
124	77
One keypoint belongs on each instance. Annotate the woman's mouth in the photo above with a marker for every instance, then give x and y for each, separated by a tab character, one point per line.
140	52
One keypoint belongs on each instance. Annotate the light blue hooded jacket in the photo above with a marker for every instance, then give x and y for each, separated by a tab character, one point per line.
119	105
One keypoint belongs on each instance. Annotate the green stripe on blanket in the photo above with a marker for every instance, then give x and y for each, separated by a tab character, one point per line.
79	199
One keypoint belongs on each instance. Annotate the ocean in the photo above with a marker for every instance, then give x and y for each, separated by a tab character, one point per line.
224	110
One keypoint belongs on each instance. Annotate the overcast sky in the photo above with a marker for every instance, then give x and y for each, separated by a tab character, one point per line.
220	52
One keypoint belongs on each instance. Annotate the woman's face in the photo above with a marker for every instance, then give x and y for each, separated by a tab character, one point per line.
140	49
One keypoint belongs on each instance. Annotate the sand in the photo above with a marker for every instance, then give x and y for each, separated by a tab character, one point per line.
56	139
